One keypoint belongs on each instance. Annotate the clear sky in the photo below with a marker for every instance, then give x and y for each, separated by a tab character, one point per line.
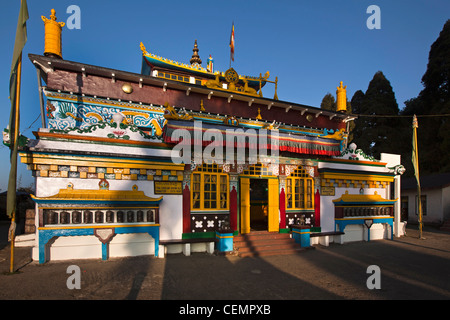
309	45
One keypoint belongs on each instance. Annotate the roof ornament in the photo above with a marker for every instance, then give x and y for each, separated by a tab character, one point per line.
195	60
144	51
341	97
53	35
171	114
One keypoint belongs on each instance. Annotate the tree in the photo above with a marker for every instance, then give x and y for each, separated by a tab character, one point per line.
434	99
374	134
360	127
436	80
328	102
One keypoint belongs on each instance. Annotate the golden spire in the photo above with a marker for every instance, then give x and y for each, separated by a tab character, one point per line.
341	97
52	36
195	60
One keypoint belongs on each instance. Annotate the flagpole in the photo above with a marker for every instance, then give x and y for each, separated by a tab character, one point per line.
416	160
14	154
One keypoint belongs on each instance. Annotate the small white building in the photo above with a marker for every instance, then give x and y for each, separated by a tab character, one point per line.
435	194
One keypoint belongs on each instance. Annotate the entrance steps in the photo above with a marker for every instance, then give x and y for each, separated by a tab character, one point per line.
264	243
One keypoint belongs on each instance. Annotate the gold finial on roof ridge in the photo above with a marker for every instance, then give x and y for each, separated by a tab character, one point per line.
195	57
341	98
53	35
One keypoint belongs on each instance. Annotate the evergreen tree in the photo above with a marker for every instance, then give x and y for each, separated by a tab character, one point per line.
328	102
376	134
359	124
433	137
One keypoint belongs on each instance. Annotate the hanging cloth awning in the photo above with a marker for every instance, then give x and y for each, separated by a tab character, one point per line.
206	134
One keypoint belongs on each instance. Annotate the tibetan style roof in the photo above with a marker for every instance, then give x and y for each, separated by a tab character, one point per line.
201	75
362	199
49	65
99	196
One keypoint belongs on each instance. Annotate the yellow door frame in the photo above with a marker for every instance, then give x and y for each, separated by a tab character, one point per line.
273	204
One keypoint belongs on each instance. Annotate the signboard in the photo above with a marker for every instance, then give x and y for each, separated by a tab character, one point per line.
168	187
327	191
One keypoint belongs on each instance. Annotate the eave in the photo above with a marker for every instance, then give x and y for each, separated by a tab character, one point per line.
48	65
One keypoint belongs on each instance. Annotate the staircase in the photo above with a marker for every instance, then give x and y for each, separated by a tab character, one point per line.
445	226
263	243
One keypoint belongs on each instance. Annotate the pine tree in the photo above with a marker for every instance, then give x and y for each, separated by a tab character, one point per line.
376	134
433	137
328	102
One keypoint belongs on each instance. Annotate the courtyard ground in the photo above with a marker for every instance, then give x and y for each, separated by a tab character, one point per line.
410	268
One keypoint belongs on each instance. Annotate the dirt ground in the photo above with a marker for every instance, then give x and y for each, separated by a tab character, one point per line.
410	268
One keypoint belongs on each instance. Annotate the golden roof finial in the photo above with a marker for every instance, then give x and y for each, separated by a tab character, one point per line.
52	35
341	97
52	15
195	60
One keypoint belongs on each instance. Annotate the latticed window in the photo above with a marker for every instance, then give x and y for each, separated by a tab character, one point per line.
209	188
299	190
257	170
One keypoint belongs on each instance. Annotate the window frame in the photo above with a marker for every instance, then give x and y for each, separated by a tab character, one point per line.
301	181
214	191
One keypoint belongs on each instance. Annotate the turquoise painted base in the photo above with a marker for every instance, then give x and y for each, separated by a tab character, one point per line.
46	234
301	235
224	241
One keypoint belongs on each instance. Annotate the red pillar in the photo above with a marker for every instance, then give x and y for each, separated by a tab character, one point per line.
233	209
282	206
317	209
186	210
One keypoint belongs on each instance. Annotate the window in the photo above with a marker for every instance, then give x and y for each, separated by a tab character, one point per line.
209	188
299	190
258	170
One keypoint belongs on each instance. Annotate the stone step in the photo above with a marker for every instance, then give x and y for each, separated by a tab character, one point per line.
263	243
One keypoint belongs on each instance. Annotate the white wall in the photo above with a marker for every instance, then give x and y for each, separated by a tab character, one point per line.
435	199
327	205
83	247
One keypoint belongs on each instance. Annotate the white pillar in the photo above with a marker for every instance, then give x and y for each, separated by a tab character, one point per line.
397	208
393	160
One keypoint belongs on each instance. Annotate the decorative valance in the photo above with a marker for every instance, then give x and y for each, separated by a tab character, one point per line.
206	134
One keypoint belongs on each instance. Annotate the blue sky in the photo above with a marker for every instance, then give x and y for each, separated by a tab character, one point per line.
309	45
